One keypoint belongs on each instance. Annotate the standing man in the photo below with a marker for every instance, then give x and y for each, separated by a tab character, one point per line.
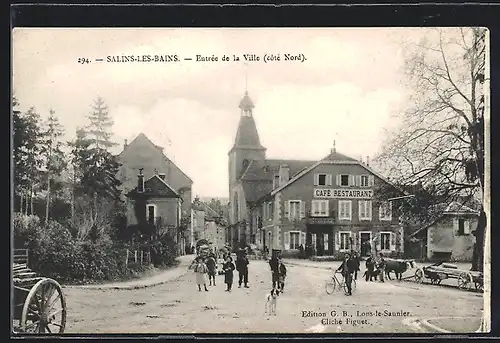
347	268
382	264
275	272
242	268
357	262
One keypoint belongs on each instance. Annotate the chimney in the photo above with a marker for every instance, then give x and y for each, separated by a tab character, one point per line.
125	144
161	176
140	181
284	174
276	181
367	160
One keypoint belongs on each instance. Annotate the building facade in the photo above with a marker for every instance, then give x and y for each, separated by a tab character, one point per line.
155	208
449	238
143	154
327	207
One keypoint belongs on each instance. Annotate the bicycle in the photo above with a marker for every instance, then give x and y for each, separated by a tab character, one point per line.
333	283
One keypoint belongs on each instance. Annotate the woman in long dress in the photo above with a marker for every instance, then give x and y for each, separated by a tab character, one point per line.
200	269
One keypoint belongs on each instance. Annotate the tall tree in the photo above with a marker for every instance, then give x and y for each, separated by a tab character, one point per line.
96	188
53	156
100	125
440	144
26	150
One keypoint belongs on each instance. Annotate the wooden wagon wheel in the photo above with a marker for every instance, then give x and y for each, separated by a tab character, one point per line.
419	275
478	284
465	280
44	310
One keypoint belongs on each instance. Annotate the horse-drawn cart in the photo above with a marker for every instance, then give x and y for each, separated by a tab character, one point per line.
466	279
39	305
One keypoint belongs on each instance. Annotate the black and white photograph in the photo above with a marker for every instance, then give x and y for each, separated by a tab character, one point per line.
250	180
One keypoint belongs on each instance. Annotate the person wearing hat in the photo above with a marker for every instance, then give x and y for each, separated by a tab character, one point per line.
347	268
242	268
228	269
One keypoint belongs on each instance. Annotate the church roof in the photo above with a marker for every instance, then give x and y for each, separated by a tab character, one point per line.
259	170
246	103
247	135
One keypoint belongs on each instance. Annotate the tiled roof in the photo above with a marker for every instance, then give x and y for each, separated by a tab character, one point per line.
264	170
455	207
255	190
336	156
155	186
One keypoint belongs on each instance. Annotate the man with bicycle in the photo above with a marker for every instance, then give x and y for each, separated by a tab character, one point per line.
347	268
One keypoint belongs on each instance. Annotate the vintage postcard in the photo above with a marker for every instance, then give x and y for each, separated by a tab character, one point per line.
289	180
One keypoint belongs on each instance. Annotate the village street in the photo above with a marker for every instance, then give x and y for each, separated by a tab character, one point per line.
178	307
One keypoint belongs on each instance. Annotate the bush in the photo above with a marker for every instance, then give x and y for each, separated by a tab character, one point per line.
27	231
164	252
56	254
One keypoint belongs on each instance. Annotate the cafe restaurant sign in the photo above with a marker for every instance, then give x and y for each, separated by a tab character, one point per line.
343	193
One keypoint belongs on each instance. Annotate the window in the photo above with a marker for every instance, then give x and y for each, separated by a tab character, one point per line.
365	210
385	241
344	180
319	208
345	207
151	213
364	181
294	209
463	227
294	240
385	211
344	240
322	179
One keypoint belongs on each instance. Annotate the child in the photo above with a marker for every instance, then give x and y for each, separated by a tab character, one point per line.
212	268
200	269
228	268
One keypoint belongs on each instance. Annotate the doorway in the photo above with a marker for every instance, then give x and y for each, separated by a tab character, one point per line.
365	241
320	244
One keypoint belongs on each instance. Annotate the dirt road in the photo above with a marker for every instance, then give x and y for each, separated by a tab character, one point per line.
178	306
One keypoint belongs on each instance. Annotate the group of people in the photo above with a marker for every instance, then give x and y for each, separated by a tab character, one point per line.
208	266
350	268
278	273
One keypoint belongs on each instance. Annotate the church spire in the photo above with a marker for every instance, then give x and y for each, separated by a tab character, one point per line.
247	135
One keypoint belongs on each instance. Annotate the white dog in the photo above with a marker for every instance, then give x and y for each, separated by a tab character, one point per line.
271	300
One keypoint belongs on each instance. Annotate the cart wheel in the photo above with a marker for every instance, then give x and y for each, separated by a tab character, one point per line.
329	286
419	275
465	281
479	286
44	310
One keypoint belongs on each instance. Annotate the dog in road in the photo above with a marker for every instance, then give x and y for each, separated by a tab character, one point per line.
271	301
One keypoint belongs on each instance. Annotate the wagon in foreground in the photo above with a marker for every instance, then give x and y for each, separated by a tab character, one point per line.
39	305
466	279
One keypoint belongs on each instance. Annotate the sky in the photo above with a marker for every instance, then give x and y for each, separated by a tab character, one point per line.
346	90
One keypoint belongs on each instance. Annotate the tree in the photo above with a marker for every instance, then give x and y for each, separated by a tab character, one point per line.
26	151
52	155
96	191
439	148
100	124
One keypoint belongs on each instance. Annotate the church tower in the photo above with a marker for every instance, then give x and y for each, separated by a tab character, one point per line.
246	146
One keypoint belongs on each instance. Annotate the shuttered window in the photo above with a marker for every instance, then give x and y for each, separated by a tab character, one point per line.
326	241
345	209
294	240
365	209
319	208
385	241
385	210
364	182
344	240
